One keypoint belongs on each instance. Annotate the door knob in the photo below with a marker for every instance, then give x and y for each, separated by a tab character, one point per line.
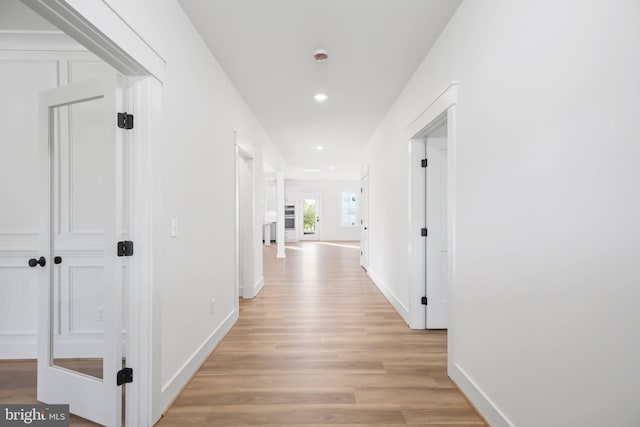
40	261
365	228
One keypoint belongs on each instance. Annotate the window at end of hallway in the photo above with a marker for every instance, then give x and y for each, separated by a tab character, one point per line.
349	209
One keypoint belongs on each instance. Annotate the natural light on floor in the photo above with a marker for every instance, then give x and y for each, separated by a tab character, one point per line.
342	245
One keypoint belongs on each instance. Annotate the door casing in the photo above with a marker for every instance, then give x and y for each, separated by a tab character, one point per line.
439	111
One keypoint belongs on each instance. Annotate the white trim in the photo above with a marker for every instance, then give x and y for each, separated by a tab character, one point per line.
178	380
38	41
257	287
144	350
389	295
97	26
27	349
487	408
426	121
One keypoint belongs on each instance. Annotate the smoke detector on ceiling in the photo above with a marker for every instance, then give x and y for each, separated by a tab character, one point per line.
320	55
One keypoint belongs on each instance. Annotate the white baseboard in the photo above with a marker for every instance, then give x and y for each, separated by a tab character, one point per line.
258	286
175	384
483	404
393	299
26	349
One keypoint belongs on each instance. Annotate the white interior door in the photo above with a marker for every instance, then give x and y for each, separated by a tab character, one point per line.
310	218
436	220
364	222
81	277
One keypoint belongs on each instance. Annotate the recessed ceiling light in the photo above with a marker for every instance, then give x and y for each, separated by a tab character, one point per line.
320	97
319	147
311	170
332	167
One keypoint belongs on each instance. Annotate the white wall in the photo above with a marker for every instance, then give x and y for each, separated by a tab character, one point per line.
547	201
194	179
330	193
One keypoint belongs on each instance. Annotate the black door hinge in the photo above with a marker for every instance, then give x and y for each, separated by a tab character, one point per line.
361	190
423	163
124	376
423	300
125	248
423	232
125	121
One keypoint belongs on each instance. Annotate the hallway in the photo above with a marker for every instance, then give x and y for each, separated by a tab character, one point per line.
321	346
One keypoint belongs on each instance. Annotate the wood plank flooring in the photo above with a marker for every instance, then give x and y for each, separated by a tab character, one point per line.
320	346
18	385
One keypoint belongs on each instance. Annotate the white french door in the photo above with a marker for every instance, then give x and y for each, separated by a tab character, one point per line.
80	349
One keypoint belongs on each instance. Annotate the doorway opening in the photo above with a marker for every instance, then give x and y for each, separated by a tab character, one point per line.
245	214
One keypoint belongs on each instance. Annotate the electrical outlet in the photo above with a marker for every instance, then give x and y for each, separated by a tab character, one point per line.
100	314
212	305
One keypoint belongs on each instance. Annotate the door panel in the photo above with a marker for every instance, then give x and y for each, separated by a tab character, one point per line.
437	251
80	325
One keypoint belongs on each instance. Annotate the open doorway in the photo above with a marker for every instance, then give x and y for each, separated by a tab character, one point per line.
245	222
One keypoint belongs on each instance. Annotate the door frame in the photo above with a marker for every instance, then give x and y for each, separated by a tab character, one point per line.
107	35
317	198
441	110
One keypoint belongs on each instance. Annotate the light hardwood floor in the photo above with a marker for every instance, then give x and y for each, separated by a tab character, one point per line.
321	346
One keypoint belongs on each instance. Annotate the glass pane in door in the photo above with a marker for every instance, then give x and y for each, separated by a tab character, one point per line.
81	178
309	213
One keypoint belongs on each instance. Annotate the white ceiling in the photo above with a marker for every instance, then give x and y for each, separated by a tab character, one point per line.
266	47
